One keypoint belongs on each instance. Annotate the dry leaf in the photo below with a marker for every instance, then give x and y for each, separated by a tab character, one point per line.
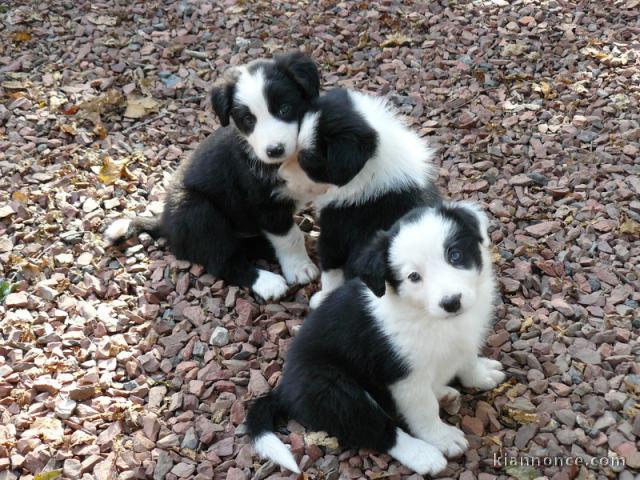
100	132
522	472
111	171
138	107
69	128
48	475
513	49
630	227
19	196
72	110
544	88
48	428
21	36
396	40
579	87
321	439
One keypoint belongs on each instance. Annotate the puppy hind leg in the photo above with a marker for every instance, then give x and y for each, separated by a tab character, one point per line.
202	234
336	403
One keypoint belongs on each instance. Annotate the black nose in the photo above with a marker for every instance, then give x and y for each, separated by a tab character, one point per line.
451	304
275	151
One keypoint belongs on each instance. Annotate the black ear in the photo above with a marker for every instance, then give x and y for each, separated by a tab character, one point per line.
371	266
302	70
222	101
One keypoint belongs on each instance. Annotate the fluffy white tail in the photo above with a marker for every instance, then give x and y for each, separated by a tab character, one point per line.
269	446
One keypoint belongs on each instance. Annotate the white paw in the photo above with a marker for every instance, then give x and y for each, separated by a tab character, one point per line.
418	455
486	375
301	272
317	298
117	230
448	395
449	440
269	286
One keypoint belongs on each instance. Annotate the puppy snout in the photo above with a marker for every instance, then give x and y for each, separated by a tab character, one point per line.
451	304
275	151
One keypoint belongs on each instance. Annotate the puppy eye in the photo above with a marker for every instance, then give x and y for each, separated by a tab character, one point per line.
414	277
249	120
455	256
285	110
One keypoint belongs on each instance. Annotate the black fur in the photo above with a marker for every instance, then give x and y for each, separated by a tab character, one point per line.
344	141
338	362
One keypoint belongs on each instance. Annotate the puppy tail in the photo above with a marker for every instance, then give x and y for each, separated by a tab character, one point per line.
125	228
261	423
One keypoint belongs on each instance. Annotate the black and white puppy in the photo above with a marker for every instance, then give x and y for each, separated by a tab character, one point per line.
227	204
371	362
376	170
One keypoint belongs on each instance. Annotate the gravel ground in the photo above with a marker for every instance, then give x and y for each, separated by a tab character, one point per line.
130	364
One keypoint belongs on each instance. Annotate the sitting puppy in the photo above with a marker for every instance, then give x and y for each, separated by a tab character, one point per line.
371	362
227	203
365	169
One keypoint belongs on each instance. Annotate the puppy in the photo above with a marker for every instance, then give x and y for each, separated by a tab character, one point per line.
371	362
227	204
370	169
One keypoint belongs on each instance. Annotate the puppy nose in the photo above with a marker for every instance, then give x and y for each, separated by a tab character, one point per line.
451	304
275	151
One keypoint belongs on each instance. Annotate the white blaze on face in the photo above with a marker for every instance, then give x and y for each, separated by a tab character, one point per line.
421	247
268	131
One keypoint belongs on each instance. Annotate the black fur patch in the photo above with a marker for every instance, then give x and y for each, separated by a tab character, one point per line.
465	236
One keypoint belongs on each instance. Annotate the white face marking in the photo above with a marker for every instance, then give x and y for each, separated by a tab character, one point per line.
269	132
420	247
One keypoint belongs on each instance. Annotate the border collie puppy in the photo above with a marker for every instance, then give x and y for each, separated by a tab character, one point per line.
370	169
371	362
227	204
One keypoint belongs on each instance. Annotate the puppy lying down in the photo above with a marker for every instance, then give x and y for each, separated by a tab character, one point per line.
371	362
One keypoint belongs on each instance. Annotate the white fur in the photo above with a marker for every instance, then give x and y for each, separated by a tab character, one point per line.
117	230
296	265
268	130
402	159
437	346
330	279
269	446
270	286
417	454
410	253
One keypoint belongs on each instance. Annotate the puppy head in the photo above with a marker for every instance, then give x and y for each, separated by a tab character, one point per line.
266	101
433	259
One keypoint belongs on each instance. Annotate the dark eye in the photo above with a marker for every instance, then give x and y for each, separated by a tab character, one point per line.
455	256
249	120
414	277
285	110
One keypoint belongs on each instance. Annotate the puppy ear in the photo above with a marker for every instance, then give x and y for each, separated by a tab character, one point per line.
221	95
221	100
302	70
480	216
371	265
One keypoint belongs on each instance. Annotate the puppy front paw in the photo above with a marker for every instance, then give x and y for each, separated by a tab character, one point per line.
486	374
418	455
448	439
317	298
270	286
300	272
448	395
